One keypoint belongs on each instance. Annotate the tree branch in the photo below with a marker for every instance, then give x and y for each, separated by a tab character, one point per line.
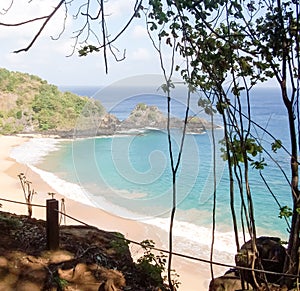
41	28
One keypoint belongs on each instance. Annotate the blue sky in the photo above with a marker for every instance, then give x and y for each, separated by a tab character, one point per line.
48	58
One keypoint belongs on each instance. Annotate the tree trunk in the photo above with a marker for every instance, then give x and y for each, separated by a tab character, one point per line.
292	258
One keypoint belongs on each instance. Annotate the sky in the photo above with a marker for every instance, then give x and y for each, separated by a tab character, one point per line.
49	58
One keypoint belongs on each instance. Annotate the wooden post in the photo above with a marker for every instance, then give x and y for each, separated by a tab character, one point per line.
52	227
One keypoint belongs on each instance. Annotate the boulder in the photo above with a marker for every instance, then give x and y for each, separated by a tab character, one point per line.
270	257
230	281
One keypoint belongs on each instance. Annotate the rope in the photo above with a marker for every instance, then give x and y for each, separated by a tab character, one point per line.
23	203
190	257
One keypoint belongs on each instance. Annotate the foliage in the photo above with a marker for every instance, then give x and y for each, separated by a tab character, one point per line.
120	244
238	148
84	51
207	106
60	283
141	106
285	211
277	144
153	266
12	222
34	104
229	47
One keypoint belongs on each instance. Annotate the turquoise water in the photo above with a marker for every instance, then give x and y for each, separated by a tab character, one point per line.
134	172
130	175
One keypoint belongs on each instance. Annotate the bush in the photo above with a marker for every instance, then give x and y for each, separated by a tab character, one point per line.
19	115
153	266
141	106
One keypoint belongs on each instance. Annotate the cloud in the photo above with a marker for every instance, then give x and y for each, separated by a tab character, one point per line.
140	54
139	31
62	46
116	8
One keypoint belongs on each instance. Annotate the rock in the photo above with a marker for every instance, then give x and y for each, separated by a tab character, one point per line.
271	256
88	257
144	116
230	281
108	124
114	280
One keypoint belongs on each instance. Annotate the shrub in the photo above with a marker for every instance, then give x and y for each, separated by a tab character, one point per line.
119	244
19	115
153	266
141	106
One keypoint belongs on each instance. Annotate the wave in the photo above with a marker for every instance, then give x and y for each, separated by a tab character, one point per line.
189	238
69	190
195	240
34	151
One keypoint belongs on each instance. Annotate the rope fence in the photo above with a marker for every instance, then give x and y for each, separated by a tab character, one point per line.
24	203
54	202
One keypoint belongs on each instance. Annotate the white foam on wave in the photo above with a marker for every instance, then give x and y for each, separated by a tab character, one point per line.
196	240
33	151
80	194
69	190
189	238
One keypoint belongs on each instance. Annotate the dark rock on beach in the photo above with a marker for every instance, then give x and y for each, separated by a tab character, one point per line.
271	256
230	281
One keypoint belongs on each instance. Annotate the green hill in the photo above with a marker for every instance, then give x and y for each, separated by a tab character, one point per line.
30	104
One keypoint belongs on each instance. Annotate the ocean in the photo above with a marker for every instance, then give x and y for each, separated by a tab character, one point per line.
129	174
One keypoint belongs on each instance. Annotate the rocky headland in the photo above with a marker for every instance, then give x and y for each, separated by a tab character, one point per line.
30	105
142	118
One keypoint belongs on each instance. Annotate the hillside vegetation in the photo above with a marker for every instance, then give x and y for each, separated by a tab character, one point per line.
30	104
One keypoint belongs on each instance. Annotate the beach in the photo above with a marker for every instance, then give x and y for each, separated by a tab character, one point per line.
193	275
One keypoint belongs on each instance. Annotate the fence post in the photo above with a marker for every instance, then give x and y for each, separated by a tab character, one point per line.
52	227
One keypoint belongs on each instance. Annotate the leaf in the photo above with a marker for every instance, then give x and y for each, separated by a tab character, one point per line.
259	165
285	211
165	88
277	144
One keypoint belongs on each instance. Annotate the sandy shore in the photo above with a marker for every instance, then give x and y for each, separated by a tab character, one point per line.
193	276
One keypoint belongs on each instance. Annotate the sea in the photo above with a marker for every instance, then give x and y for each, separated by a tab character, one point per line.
129	174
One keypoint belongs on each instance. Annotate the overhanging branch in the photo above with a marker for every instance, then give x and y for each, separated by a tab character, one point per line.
46	18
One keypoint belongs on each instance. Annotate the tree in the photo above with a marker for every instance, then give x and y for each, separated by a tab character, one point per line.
28	192
231	47
227	48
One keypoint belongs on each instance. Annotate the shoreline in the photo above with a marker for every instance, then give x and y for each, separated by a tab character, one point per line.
193	275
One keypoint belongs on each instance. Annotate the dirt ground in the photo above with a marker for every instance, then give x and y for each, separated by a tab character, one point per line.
87	259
